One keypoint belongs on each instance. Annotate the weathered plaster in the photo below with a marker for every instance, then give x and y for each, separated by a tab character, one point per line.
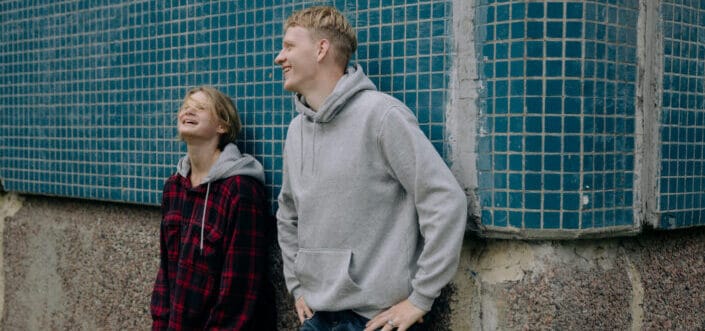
636	304
462	111
648	107
10	203
548	284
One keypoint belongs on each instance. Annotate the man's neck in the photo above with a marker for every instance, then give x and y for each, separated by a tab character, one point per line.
325	85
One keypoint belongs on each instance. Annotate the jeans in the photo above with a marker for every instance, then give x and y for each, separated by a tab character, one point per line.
345	320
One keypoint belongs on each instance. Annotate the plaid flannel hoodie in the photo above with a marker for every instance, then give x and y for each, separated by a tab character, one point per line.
212	247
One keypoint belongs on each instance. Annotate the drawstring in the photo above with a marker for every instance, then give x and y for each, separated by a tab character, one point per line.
203	217
313	148
301	150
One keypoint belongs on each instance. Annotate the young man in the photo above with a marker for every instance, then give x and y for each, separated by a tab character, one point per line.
370	218
212	240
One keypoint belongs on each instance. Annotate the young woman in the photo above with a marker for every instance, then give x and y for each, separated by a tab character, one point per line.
214	215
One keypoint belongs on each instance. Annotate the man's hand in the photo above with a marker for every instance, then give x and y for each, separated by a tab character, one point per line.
303	310
400	316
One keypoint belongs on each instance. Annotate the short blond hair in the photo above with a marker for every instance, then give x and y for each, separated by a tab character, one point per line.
326	22
223	110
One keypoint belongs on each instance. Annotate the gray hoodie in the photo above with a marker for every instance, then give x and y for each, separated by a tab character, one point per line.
230	163
369	213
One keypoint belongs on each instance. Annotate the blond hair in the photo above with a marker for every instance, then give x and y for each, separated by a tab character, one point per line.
223	110
327	22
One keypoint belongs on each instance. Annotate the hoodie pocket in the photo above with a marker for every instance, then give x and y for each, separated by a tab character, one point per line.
324	274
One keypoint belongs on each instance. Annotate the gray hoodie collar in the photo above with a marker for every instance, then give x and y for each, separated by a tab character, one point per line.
348	86
230	163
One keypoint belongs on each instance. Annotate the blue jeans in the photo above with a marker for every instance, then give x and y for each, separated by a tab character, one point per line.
345	320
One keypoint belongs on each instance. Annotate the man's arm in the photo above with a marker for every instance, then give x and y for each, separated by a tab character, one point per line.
440	202
244	260
288	233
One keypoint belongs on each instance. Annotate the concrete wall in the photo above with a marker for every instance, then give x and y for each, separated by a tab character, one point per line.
83	265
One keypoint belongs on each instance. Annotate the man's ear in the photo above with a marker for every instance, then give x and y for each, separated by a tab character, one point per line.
323	49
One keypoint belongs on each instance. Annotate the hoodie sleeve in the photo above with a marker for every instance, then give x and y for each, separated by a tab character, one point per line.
287	226
440	202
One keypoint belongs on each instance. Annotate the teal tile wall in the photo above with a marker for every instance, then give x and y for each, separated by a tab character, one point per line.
682	122
89	90
557	114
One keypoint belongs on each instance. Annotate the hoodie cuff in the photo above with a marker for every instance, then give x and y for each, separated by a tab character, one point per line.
296	293
421	301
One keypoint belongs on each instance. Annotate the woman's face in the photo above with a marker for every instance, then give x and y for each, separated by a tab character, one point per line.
196	121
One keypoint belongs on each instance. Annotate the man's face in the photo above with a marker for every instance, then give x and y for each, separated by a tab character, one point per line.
298	59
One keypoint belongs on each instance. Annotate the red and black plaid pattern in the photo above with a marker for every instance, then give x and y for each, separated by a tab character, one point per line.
216	288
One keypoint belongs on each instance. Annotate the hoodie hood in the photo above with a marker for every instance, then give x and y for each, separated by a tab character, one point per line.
230	163
353	82
349	85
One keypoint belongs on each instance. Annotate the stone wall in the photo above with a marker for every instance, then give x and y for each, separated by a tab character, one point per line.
84	265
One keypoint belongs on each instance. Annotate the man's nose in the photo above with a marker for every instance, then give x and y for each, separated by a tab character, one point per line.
280	58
